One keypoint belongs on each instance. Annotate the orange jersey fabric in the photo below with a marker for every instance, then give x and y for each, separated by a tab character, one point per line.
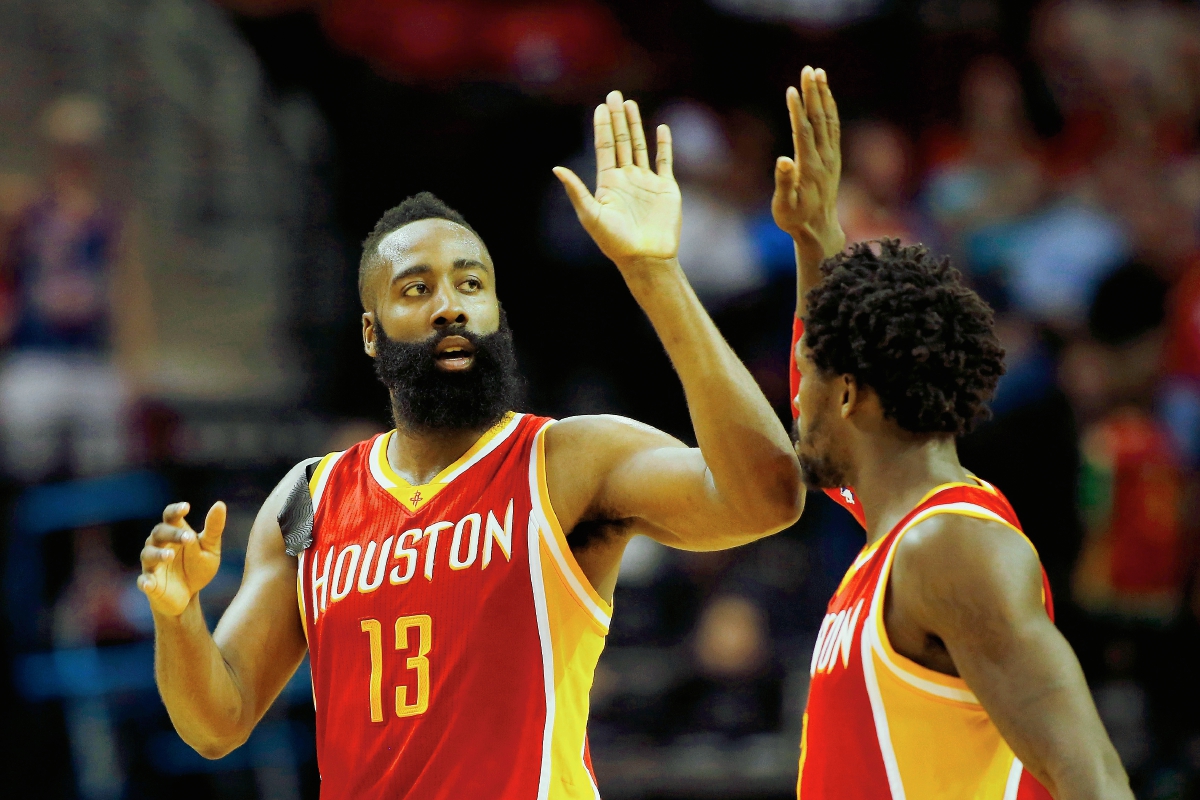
452	636
879	725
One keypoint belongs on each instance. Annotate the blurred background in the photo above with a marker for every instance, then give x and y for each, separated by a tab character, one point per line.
183	187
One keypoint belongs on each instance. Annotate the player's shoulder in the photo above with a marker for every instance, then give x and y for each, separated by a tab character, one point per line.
966	550
599	433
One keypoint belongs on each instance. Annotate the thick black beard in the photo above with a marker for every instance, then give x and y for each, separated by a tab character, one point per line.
426	398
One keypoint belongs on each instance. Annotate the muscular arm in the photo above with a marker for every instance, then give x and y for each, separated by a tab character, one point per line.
743	481
216	687
977	586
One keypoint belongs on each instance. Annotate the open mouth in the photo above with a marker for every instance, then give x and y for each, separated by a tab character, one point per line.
454	353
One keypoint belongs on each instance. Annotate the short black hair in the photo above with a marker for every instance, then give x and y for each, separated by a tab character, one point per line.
902	322
423	205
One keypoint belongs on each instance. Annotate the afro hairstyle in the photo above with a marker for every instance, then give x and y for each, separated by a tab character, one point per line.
903	323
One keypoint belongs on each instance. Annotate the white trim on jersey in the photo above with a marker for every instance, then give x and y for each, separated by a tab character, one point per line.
588	772
495	442
882	729
543	623
319	489
1014	779
874	620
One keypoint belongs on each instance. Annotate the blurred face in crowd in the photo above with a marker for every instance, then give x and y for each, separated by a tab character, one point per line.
437	333
820	434
877	156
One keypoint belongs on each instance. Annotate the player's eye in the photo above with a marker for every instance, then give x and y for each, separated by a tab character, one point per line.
415	290
471	285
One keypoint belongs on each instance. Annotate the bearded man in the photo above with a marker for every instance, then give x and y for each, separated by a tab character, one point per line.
452	579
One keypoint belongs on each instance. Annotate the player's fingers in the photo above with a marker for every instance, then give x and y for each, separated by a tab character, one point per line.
795	114
813	107
606	154
581	199
153	556
214	526
637	135
785	181
174	513
164	534
616	107
151	584
832	121
663	157
803	136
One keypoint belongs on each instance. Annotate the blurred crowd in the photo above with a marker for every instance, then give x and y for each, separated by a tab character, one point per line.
1082	234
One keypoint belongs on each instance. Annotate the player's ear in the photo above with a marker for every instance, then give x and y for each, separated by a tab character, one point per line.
368	330
850	396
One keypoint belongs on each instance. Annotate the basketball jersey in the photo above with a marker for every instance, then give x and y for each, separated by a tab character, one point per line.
879	725
452	636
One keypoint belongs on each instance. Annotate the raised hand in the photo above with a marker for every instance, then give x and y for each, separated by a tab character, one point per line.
635	214
806	186
177	562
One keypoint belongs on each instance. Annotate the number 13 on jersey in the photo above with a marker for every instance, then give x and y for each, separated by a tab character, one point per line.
419	663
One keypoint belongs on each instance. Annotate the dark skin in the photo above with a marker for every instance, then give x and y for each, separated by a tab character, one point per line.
609	478
964	597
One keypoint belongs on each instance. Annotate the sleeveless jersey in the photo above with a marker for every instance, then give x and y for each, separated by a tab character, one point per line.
452	636
879	725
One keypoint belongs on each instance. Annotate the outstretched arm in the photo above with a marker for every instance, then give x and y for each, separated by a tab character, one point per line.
744	481
217	686
806	185
977	586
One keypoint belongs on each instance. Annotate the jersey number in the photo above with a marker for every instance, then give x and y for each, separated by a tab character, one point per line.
419	662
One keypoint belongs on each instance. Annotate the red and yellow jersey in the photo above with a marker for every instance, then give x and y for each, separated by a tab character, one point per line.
879	725
452	636
844	496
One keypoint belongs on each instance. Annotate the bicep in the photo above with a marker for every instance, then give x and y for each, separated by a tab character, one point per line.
261	635
671	489
985	603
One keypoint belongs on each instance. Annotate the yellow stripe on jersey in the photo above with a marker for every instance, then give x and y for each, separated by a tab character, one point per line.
414	497
940	741
599	609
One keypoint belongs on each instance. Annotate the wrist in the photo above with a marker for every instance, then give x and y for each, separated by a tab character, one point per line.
646	271
820	244
163	618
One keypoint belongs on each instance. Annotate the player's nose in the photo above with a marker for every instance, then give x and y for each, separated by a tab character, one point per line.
449	310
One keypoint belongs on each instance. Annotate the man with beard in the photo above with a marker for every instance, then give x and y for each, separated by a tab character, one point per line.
452	579
937	672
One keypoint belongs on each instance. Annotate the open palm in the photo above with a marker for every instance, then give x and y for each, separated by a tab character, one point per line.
636	211
806	186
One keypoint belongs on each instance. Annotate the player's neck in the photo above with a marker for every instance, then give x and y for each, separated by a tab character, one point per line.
419	455
893	474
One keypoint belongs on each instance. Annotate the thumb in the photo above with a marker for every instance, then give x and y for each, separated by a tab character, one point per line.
585	205
786	176
214	526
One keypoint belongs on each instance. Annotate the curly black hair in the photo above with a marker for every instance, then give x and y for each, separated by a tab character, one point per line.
902	322
424	205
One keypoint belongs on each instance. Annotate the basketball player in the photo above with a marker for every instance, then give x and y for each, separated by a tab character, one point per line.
937	673
452	580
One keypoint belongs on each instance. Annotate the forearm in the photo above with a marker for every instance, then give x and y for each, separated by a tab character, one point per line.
811	252
746	450
200	692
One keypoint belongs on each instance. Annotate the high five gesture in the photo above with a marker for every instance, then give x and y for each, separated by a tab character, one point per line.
636	211
806	185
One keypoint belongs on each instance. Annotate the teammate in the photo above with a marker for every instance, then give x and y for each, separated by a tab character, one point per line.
452	579
937	673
